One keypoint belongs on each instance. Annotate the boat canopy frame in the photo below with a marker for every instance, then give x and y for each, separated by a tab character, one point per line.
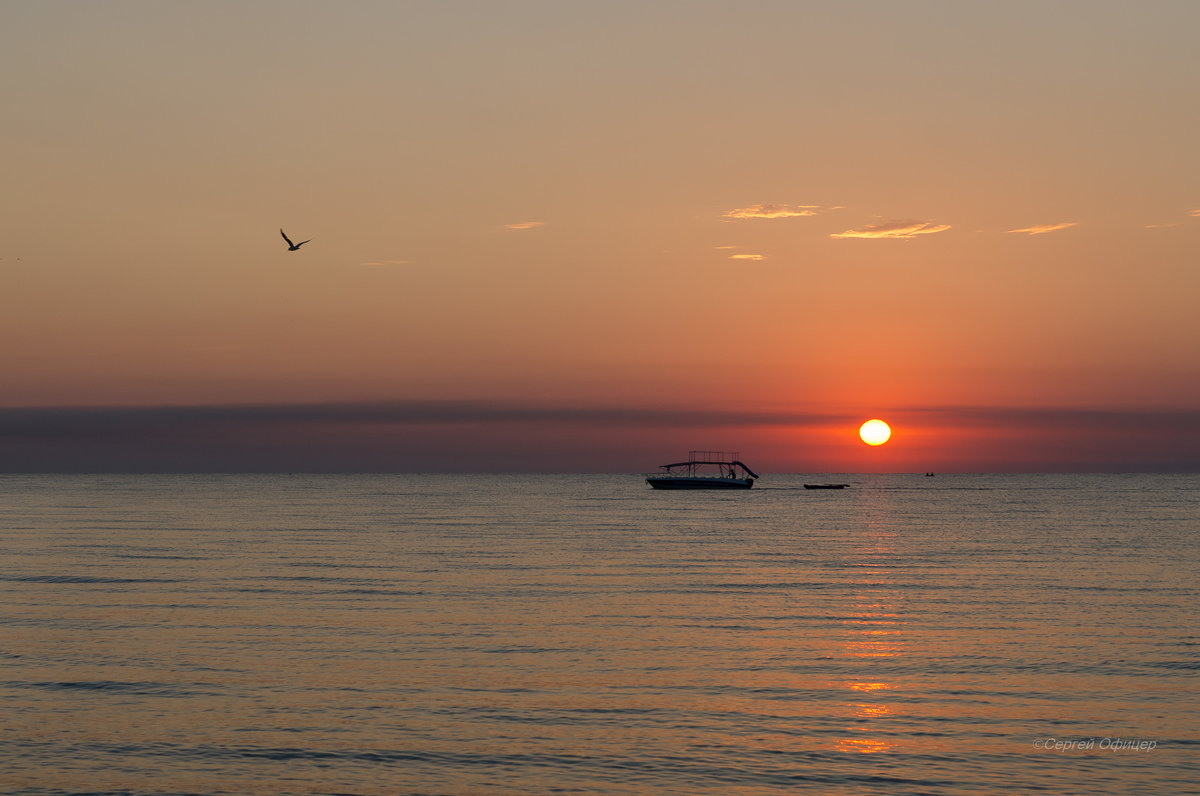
727	460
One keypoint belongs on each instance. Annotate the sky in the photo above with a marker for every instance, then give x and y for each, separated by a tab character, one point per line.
583	236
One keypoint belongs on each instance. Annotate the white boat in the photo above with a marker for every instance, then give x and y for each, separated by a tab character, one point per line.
704	470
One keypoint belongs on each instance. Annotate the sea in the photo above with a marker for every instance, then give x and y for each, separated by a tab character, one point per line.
585	634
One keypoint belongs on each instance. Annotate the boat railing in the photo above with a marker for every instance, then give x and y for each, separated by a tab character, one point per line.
713	457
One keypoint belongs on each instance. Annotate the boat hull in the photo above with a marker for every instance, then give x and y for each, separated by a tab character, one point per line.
683	482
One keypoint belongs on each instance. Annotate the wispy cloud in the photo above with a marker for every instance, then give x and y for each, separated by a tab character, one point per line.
771	211
893	229
1042	229
525	225
1170	224
747	257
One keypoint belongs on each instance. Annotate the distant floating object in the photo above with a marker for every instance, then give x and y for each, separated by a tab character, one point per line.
826	486
292	246
929	475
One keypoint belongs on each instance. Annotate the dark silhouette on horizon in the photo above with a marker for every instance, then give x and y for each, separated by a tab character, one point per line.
292	247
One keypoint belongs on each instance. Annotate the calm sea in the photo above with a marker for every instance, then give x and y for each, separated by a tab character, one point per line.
446	634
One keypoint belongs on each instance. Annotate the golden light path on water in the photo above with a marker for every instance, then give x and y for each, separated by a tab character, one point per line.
872	630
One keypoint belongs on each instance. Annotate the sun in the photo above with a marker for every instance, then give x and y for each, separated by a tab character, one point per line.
874	432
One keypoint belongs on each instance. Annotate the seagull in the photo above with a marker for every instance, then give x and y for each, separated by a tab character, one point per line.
292	247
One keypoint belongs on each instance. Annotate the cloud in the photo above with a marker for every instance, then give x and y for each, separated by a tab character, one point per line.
893	229
1171	224
771	211
1042	229
98	422
453	436
746	257
525	225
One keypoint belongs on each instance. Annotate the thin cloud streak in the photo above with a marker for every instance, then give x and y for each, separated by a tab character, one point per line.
99	422
108	421
747	257
1171	224
771	211
1185	421
899	230
1042	229
523	225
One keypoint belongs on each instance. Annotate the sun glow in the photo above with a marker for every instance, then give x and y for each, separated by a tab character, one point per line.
874	432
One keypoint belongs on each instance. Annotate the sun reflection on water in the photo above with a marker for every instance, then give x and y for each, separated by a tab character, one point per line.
864	745
867	687
870	711
873	633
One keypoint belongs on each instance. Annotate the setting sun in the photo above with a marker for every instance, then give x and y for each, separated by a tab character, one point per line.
874	432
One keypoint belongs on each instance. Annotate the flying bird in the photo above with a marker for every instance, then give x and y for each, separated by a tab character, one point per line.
292	246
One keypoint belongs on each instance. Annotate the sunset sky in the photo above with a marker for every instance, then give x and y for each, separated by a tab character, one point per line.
573	236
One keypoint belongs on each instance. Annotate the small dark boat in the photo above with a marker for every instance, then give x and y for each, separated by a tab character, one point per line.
826	486
704	470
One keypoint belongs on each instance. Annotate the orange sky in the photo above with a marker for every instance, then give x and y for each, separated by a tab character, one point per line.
979	222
